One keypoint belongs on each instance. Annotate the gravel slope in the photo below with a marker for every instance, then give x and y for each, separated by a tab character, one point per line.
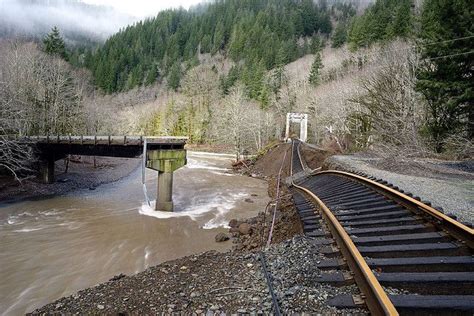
211	283
449	185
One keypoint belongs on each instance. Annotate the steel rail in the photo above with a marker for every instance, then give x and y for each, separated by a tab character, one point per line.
376	298
291	158
299	156
276	307
458	230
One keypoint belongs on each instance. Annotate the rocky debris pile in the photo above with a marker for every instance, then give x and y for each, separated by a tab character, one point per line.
209	283
292	265
315	156
220	237
252	233
245	233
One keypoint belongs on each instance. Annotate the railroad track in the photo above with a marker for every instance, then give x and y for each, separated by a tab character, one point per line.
405	256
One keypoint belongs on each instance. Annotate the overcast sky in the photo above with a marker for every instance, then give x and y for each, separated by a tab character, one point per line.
143	8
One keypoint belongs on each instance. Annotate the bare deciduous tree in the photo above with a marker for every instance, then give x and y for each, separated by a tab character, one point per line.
389	100
39	94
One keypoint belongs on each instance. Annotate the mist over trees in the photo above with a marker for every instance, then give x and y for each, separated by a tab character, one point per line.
81	24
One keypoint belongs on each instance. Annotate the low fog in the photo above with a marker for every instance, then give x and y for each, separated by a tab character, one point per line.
76	20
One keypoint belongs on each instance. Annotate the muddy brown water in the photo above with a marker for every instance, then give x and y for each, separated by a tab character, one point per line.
55	247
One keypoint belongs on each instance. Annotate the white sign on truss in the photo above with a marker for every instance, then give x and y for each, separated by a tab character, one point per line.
300	118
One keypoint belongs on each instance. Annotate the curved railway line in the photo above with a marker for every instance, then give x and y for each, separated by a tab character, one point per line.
386	241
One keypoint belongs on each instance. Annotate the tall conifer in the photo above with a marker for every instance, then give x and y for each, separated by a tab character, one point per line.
446	80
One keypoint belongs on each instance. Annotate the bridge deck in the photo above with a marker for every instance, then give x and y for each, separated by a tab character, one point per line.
107	140
164	154
57	147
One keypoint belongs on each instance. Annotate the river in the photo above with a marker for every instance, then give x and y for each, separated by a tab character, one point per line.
54	247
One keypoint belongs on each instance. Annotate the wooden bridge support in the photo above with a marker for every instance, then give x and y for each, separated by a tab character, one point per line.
165	162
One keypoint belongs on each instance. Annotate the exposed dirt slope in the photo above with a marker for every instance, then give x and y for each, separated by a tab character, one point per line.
314	156
287	222
269	164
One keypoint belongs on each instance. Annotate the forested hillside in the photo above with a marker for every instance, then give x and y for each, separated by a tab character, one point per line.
258	35
383	21
262	34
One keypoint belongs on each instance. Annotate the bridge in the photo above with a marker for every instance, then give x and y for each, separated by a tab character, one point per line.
163	154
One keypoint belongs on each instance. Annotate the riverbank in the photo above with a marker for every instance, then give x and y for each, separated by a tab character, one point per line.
55	247
212	283
81	174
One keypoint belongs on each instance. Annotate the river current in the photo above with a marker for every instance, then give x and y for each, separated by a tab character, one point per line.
54	247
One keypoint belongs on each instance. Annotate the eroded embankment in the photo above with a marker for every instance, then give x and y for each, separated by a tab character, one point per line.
287	223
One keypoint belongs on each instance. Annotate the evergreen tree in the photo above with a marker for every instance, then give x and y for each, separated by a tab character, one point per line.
227	82
315	75
384	20
446	80
316	44
174	76
53	44
151	75
340	35
219	37
279	72
264	96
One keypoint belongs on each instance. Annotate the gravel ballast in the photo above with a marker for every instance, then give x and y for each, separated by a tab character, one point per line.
211	283
442	183
208	282
293	266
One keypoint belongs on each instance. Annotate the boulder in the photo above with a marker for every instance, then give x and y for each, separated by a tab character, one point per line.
245	228
221	237
234	223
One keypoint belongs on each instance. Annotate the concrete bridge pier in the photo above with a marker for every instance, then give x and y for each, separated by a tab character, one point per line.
164	200
46	170
165	162
163	154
